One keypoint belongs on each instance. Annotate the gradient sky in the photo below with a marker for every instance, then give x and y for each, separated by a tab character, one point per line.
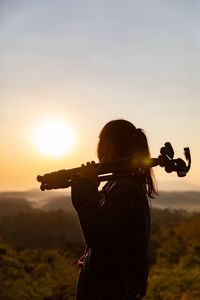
92	61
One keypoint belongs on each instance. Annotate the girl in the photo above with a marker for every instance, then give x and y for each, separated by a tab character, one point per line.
115	221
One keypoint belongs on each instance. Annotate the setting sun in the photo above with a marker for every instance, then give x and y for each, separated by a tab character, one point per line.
54	138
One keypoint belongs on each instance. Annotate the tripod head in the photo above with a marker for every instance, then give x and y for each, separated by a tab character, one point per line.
166	160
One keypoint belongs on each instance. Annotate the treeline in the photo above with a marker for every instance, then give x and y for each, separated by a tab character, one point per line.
41	230
39	253
37	275
175	256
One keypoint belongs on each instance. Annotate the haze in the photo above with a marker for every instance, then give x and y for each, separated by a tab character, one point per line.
88	62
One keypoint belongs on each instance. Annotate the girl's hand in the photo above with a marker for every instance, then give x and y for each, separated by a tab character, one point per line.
89	171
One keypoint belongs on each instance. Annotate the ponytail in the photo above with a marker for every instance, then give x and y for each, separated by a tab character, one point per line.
141	150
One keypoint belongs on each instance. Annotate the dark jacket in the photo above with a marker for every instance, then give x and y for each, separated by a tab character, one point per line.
116	224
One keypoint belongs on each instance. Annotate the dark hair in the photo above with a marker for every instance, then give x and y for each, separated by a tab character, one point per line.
127	140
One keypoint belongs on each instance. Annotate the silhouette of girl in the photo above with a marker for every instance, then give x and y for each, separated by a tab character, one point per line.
115	221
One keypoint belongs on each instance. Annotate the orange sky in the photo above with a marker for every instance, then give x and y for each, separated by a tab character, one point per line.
88	64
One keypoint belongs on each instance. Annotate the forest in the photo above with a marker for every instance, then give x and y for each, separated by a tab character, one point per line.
39	251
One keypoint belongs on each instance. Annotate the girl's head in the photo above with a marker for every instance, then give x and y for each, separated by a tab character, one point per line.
120	138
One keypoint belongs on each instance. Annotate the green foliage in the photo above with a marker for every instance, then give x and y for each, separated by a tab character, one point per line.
54	229
174	283
175	271
35	275
41	264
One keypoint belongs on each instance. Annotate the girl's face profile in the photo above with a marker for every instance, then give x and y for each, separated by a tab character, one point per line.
100	149
105	149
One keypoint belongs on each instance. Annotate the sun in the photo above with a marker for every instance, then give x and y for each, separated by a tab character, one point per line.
54	138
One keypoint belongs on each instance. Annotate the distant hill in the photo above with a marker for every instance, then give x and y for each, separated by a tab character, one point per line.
178	184
13	202
12	206
59	202
189	201
26	201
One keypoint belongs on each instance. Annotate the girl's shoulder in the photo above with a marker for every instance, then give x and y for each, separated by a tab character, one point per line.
127	183
130	181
